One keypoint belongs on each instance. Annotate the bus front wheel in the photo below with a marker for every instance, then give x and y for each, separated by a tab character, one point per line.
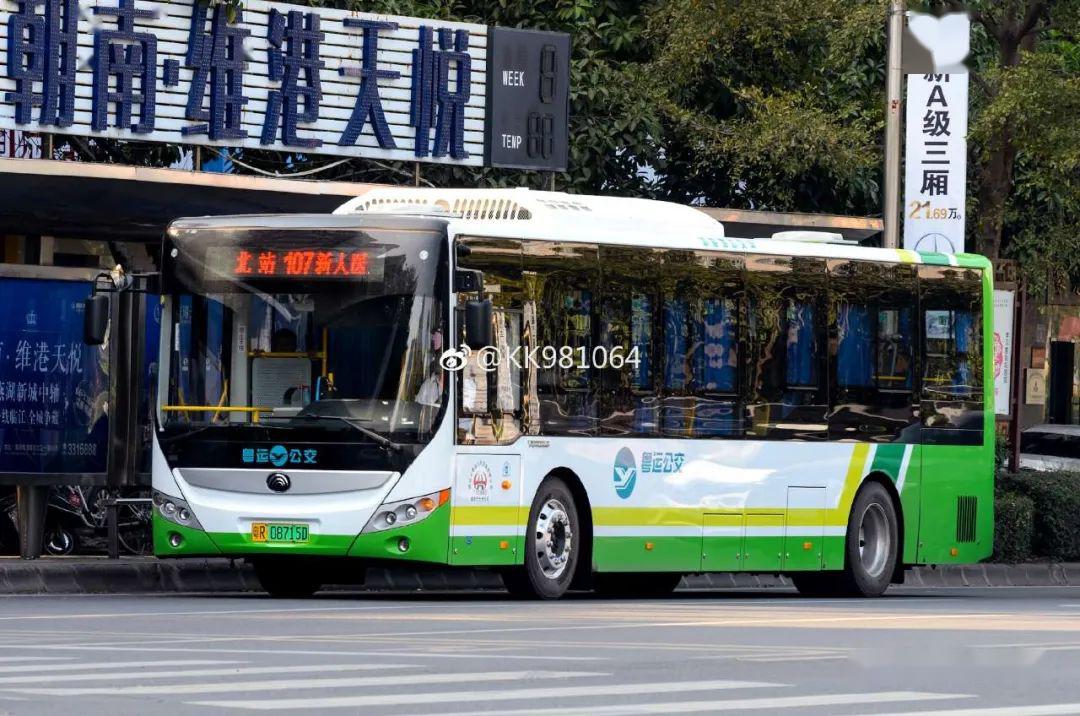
287	579
552	545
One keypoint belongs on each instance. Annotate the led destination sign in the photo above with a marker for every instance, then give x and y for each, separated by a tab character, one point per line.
295	263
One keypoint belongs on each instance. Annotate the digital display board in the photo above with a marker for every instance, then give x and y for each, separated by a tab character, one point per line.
528	99
247	262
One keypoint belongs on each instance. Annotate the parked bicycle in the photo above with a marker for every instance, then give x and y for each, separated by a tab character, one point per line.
76	520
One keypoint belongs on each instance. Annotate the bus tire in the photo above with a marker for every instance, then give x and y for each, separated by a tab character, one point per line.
287	579
873	537
552	545
634	584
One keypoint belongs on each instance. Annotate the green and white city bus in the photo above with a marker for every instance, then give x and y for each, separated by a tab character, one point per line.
571	390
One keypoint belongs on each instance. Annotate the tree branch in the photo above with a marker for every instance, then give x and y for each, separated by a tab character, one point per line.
984	18
1031	18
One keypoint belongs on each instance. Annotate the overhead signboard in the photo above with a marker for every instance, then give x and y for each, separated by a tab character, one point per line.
274	76
935	150
529	83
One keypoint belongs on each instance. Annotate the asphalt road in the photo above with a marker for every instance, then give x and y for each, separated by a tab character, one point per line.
975	652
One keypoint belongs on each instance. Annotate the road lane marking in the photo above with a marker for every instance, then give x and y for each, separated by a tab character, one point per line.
1029	710
301	652
290	684
190	673
774	702
234	612
53	668
35	658
447	697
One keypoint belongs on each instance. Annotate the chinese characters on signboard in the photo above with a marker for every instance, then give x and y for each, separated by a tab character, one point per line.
935	150
53	387
936	162
273	76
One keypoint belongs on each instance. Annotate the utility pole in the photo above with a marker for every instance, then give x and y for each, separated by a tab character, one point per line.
894	87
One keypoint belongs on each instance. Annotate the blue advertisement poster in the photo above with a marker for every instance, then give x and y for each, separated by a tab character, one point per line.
54	388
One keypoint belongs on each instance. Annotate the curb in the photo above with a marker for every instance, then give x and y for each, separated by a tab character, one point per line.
149	575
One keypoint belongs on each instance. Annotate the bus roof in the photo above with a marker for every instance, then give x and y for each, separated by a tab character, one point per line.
526	214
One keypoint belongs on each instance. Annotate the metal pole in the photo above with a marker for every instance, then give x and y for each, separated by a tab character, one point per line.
32	500
111	516
894	87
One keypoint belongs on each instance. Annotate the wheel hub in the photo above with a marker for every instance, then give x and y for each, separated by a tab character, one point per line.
554	538
875	540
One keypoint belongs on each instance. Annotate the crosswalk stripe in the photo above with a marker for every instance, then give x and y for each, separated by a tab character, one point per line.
1030	710
46	669
287	684
21	659
278	650
446	697
776	702
190	673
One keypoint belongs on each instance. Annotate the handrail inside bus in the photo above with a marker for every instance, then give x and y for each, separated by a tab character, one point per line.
253	411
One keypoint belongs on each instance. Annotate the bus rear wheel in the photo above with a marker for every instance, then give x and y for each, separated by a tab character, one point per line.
871	550
644	584
552	545
287	579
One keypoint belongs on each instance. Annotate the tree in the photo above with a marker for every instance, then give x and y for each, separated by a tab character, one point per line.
776	105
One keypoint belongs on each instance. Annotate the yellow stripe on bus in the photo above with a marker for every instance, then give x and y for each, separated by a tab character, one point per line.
485	515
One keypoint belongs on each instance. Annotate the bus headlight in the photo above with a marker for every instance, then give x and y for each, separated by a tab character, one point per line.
406	512
175	510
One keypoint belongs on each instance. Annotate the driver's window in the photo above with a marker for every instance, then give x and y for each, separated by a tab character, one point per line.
490	395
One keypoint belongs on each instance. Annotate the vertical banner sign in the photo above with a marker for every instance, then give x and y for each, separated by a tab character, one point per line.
1003	347
935	173
935	147
54	389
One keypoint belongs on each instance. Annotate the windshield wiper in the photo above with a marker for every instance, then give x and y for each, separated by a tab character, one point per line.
201	428
382	440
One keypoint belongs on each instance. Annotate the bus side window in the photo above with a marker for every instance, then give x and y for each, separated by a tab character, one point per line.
699	387
952	390
629	304
786	342
872	324
562	281
491	408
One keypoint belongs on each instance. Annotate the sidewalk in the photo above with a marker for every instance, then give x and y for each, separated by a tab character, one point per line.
97	575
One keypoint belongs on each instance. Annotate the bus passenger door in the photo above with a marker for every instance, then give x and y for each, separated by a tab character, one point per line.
485	514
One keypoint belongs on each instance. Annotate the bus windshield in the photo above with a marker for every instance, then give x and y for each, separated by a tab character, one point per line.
333	332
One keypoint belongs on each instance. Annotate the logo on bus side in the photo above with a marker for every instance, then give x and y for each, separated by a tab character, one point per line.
625	473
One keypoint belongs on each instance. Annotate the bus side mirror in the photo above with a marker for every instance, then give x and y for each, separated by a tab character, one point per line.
478	316
95	319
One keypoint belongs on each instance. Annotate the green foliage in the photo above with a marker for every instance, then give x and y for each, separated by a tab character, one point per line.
1013	527
773	105
1055	497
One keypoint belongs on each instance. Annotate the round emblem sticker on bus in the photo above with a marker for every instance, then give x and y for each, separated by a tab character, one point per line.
625	473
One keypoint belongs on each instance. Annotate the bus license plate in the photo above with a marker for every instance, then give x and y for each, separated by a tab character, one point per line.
270	532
